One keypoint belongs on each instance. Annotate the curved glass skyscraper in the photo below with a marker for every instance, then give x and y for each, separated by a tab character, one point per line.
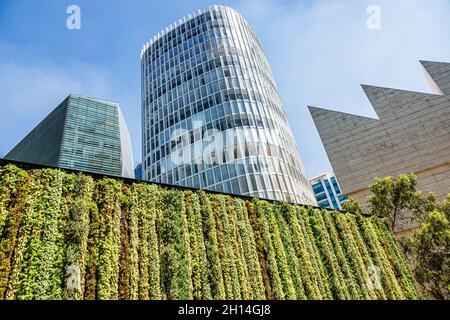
212	115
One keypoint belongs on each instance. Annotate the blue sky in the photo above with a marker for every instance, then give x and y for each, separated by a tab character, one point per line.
320	52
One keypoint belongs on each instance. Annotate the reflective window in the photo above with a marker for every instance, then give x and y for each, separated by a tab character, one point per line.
208	73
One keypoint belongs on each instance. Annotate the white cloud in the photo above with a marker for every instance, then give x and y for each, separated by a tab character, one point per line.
321	51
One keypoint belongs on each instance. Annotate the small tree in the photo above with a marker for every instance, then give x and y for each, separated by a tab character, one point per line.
429	248
430	252
391	198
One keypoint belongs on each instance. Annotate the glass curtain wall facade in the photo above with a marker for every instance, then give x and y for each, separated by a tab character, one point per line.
208	94
327	191
82	133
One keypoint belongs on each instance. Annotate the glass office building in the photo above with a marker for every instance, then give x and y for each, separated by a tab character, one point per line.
82	133
138	171
327	191
212	117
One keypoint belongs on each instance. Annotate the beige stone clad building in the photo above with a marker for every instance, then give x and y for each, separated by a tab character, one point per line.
411	135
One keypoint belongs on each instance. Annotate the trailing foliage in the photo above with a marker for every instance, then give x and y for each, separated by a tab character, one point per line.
68	236
328	250
176	268
200	281
430	249
78	201
15	203
250	251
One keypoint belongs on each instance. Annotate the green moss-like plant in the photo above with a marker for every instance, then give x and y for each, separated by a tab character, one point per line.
200	281
110	215
70	236
356	261
212	247
325	244
15	185
388	278
259	245
291	257
176	270
263	212
78	201
397	259
323	280
249	251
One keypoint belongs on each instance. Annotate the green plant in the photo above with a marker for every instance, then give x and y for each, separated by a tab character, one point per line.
430	248
68	236
390	198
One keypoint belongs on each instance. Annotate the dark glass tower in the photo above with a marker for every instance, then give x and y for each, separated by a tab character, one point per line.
83	134
212	115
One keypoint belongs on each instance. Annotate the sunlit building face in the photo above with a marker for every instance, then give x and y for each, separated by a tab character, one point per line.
212	115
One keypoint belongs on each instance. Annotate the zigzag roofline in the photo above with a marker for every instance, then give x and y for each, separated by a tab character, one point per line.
431	75
313	109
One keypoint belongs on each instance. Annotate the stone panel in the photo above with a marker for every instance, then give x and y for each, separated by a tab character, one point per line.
411	135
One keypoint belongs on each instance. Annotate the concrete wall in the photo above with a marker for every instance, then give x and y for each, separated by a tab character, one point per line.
412	135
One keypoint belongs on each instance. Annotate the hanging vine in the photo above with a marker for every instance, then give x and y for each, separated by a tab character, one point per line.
69	236
176	270
78	197
250	251
15	233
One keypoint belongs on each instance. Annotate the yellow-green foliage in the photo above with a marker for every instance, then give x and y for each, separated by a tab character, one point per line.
69	236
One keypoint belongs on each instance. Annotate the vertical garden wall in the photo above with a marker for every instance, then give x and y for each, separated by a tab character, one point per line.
69	236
